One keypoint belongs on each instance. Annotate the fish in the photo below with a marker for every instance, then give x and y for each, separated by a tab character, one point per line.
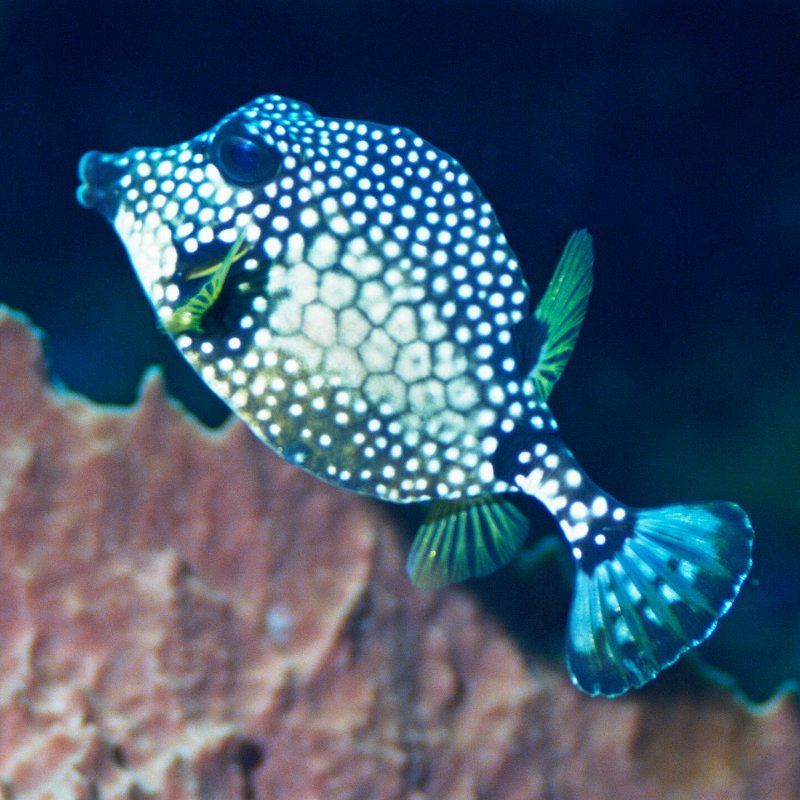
346	288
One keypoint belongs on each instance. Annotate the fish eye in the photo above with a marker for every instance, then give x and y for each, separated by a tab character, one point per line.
244	159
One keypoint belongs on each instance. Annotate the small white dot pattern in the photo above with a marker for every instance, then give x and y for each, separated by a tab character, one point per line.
366	335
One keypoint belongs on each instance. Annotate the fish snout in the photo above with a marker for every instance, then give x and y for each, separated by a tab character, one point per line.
100	174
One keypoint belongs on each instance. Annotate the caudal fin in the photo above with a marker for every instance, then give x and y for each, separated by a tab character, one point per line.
649	587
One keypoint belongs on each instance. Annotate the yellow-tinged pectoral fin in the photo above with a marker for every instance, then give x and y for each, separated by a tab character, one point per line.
240	248
461	539
189	316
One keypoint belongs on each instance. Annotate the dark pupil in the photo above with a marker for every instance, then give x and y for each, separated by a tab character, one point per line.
246	162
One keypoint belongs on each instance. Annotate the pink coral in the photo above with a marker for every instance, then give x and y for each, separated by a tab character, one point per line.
183	615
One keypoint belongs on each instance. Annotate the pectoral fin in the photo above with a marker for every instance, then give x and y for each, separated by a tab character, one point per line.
189	316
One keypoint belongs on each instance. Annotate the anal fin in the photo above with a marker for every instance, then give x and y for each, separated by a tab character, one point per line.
466	538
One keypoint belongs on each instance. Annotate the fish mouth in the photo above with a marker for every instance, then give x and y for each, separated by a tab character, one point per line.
99	174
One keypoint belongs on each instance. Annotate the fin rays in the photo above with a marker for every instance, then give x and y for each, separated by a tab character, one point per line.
662	592
189	316
562	310
463	539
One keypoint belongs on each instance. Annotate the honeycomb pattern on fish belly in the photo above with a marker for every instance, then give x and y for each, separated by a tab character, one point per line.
334	308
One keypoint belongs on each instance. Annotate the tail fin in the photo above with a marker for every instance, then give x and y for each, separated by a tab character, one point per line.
650	586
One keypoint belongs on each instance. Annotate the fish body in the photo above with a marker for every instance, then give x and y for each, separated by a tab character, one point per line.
366	336
347	289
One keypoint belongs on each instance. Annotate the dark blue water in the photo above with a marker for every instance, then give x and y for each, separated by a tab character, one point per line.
670	130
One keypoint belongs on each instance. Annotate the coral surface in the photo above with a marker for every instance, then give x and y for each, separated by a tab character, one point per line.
183	615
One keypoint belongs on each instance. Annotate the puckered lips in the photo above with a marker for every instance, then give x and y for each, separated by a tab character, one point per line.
100	174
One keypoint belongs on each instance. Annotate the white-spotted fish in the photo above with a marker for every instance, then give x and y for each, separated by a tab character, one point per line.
346	288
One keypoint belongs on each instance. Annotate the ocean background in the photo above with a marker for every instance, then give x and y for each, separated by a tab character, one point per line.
670	130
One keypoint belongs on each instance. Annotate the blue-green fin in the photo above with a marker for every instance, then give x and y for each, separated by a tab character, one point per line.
656	587
461	539
189	316
545	340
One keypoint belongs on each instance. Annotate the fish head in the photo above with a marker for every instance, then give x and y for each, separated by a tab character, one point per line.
179	209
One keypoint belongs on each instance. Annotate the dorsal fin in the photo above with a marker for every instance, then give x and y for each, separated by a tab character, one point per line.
545	341
461	539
